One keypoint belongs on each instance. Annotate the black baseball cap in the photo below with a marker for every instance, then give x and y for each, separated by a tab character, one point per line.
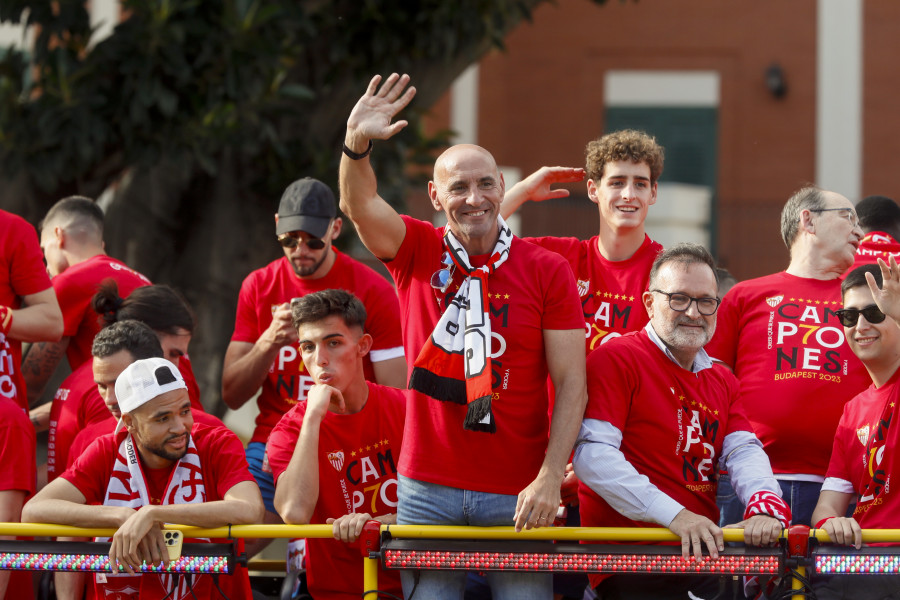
306	205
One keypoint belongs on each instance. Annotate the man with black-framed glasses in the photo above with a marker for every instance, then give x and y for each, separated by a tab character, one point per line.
780	335
865	443
659	384
263	353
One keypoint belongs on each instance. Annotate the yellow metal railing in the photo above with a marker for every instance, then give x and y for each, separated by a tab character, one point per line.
609	534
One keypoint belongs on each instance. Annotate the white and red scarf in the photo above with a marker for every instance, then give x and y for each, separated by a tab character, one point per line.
128	487
455	362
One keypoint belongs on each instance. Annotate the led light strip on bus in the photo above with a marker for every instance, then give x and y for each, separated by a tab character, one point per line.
93	556
878	560
589	558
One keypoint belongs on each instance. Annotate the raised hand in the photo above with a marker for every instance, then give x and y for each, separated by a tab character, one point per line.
888	297
371	118
537	187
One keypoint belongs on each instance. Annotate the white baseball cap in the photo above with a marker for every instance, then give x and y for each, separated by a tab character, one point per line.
145	380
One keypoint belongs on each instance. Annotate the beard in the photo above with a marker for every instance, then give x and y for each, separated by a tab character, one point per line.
160	450
686	339
306	271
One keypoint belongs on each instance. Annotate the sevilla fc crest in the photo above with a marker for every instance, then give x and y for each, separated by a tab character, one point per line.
336	459
774	301
583	287
863	434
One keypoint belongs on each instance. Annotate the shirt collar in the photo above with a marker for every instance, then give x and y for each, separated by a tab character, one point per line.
701	361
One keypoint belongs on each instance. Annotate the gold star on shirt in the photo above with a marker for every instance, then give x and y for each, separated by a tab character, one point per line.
353	453
506	296
817	302
631	298
715	412
368	448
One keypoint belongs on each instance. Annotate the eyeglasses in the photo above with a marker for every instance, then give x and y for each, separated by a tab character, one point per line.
292	241
849	316
851	214
442	278
682	302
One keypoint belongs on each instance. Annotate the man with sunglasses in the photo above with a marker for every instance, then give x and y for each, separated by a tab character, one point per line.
485	334
263	351
689	405
781	337
867	436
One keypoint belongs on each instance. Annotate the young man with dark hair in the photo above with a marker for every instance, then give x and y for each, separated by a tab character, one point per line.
334	455
867	439
72	242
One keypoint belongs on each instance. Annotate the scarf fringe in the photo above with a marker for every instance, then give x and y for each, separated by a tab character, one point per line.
446	389
478	410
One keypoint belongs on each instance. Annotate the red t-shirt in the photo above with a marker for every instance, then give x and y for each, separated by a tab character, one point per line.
673	423
76	286
17	455
787	348
357	473
223	465
264	289
532	291
873	246
855	446
22	273
610	290
77	404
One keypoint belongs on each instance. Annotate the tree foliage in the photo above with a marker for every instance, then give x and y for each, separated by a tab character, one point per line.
195	114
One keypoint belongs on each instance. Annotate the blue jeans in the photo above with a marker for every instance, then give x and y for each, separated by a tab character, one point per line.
801	496
255	453
423	503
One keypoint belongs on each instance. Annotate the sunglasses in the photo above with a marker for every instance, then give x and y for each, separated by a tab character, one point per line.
441	278
849	316
289	241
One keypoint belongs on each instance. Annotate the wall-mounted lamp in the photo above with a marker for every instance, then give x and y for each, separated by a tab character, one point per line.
775	80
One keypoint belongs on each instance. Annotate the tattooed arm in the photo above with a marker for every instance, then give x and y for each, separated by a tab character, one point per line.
39	365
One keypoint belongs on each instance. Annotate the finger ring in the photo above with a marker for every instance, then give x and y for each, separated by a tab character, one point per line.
542	518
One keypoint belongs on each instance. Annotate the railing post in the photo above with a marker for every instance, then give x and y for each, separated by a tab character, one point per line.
369	546
798	555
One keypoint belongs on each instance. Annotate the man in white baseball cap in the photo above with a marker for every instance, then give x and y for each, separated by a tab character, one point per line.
158	467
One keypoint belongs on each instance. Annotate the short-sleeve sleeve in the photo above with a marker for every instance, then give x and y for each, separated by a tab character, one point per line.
283	439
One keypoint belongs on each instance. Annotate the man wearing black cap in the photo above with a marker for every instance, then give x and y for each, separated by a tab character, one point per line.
263	351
